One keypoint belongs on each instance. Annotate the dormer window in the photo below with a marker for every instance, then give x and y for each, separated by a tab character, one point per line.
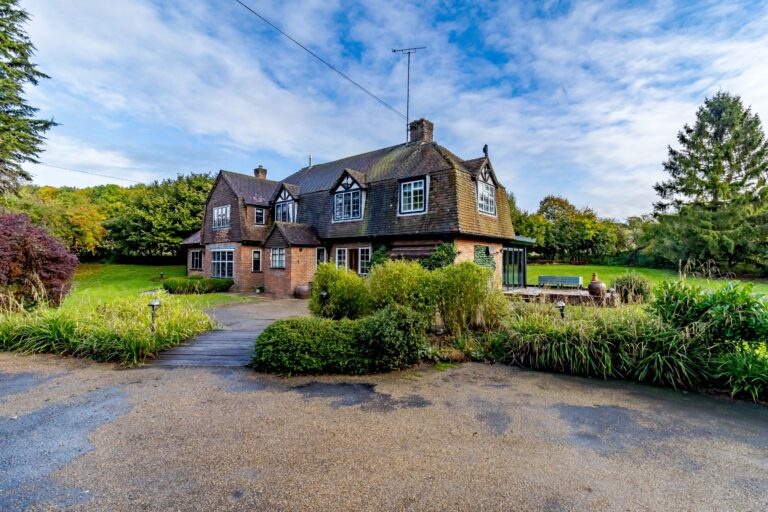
221	217
285	207
486	192
413	196
348	201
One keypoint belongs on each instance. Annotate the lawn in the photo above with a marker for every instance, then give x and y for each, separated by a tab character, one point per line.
608	274
98	283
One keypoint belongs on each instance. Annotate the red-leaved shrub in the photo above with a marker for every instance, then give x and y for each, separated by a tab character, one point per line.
34	266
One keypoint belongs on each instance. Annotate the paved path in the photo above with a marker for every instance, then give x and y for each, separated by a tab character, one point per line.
232	345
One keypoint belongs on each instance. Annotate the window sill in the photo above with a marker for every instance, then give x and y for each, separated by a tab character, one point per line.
277	268
256	271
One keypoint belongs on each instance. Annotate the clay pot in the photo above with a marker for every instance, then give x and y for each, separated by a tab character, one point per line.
596	287
302	291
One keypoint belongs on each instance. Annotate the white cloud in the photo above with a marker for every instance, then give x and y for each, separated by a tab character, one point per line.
582	104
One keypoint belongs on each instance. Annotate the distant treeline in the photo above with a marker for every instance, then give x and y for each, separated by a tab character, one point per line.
110	222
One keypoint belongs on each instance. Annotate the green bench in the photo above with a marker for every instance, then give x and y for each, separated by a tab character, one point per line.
560	281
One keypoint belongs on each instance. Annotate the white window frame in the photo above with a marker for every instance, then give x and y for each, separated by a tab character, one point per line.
317	256
277	257
401	211
199	254
360	260
342	250
256	213
221	216
486	193
253	260
218	263
339	215
289	206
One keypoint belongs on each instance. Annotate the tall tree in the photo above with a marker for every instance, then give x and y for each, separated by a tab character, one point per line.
21	134
714	203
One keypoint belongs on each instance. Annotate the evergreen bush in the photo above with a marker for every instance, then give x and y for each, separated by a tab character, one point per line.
338	293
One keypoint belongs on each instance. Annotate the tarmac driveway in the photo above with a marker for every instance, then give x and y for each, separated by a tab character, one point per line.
87	436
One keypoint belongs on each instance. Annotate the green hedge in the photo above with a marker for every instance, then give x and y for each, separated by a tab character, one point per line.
197	284
389	339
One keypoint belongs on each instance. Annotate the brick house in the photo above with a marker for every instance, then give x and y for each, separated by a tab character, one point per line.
406	199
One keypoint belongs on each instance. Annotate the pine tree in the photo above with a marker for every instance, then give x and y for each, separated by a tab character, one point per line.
714	204
21	134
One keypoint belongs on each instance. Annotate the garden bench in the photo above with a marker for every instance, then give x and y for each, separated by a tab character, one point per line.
560	281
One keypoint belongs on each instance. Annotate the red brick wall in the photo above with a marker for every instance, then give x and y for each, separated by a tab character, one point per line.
299	270
466	248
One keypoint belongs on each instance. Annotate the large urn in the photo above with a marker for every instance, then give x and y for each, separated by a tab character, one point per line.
596	287
302	291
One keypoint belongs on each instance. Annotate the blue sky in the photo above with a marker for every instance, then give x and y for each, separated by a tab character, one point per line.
573	98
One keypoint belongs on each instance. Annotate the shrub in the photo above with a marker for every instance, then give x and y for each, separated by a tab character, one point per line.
197	284
604	343
727	316
459	292
744	372
347	294
34	266
394	337
391	338
401	282
118	331
310	346
444	255
633	288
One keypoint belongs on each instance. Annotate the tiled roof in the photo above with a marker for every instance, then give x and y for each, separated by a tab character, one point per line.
395	162
254	191
294	234
193	239
475	164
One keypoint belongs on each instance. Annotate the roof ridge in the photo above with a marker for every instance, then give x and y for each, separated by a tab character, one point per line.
249	176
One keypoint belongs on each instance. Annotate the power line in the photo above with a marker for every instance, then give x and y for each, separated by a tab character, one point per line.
366	91
86	172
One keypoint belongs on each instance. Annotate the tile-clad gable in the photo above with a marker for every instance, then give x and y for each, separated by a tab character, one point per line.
285	233
222	195
471	220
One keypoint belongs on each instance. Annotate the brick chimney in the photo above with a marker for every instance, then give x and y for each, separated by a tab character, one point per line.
260	173
421	130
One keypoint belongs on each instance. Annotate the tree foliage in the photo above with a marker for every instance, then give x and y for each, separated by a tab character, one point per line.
714	205
21	134
34	266
564	231
109	220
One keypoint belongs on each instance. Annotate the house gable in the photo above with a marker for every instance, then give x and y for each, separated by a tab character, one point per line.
221	195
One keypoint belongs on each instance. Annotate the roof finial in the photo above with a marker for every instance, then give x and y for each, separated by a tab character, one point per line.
485	150
310	160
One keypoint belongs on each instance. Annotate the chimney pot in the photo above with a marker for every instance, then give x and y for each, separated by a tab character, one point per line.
260	173
421	130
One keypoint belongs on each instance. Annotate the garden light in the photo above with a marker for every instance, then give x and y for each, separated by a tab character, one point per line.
154	304
561	306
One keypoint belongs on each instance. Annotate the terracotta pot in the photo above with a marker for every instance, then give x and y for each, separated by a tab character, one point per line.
302	291
596	287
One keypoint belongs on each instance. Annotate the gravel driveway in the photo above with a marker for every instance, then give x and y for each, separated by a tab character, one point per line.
86	436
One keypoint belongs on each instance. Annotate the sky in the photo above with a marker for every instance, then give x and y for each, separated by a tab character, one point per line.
578	99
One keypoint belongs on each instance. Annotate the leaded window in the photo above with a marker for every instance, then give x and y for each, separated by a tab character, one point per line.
221	217
347	205
413	198
486	193
196	260
365	260
278	257
341	258
222	263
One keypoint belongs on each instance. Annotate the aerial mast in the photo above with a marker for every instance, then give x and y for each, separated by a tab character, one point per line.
408	51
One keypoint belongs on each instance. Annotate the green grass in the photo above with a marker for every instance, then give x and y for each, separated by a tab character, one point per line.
98	283
609	273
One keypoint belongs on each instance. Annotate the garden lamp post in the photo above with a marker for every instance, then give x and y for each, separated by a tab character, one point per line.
561	306
154	304
162	275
